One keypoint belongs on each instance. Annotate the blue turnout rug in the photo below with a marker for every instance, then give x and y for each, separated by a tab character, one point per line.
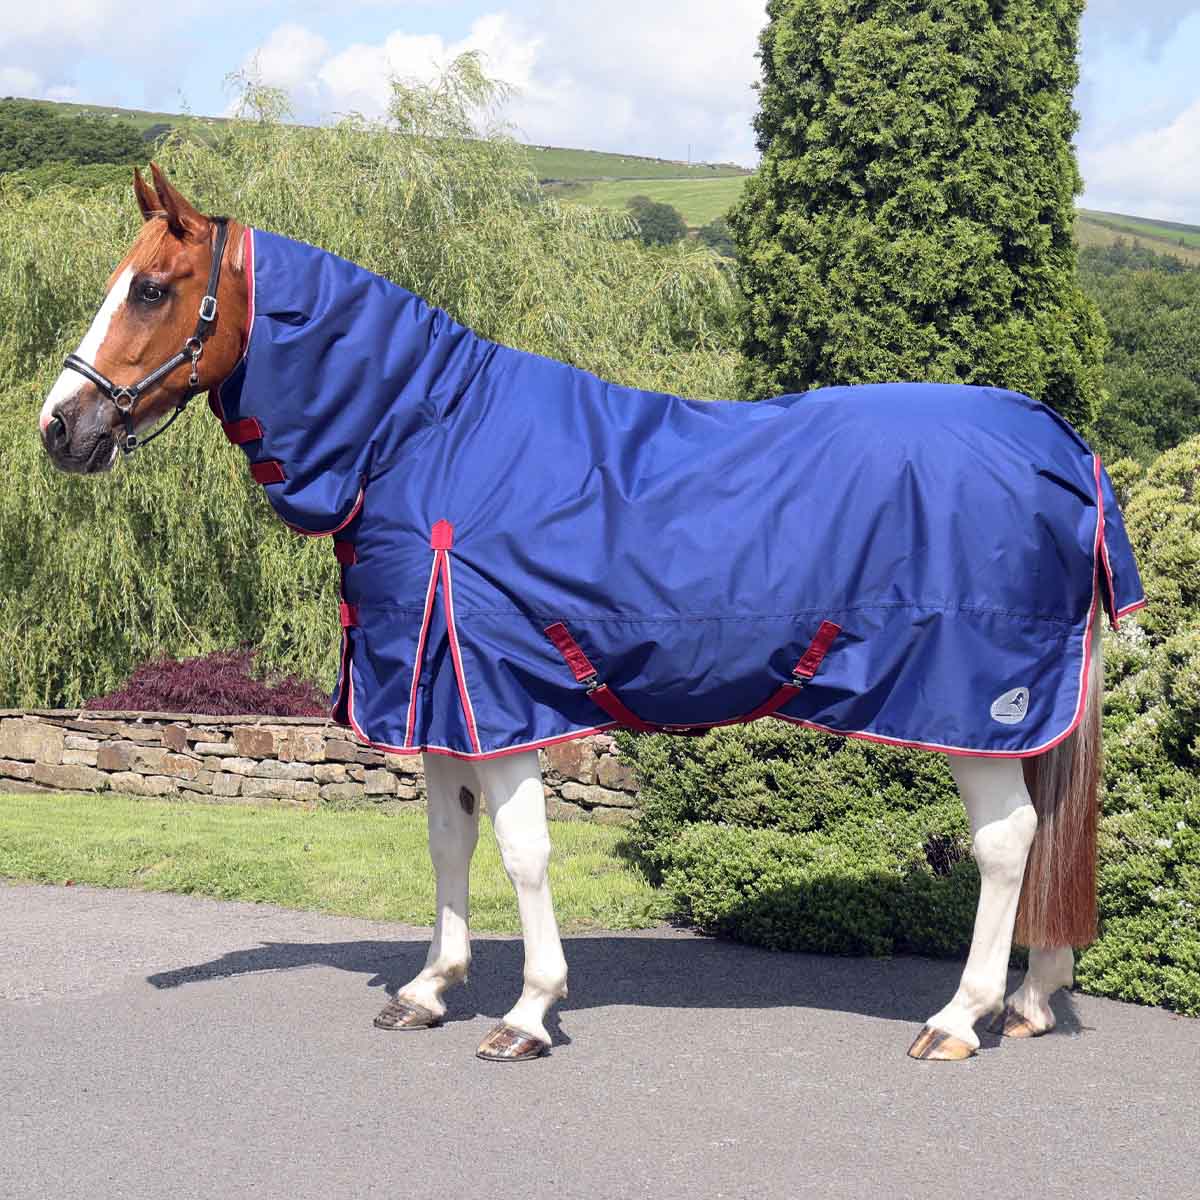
530	554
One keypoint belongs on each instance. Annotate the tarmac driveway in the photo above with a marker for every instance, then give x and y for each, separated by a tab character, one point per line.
168	1046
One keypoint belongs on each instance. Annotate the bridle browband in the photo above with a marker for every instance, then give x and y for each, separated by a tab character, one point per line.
126	396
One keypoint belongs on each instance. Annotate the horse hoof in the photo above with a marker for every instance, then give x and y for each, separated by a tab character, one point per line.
399	1014
1010	1023
506	1044
933	1044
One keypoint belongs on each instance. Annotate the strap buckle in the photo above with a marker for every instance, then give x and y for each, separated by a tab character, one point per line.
124	398
208	308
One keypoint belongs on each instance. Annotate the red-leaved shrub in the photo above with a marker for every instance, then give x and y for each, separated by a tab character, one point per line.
217	684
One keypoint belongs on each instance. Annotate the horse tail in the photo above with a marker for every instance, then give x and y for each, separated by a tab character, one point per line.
1058	897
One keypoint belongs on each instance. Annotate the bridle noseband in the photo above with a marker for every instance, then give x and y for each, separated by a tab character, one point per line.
126	396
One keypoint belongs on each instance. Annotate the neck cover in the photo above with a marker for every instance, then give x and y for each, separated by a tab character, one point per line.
530	554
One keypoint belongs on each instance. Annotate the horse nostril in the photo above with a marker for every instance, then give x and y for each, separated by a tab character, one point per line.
56	434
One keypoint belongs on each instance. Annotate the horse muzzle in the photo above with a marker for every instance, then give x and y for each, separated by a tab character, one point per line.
78	439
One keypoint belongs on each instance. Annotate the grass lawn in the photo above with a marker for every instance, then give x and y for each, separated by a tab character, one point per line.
360	864
699	200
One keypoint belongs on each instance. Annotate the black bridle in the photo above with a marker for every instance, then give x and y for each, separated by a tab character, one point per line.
126	396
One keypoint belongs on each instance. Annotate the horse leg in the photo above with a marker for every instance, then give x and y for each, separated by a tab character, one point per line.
517	803
1003	823
1028	1012
453	813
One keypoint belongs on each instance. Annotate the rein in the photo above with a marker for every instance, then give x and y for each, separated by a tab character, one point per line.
125	397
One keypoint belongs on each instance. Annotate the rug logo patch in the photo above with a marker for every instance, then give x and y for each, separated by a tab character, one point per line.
1012	707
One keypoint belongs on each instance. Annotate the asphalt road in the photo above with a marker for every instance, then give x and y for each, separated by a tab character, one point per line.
166	1046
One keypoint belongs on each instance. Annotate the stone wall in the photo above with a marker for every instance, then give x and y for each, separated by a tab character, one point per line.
281	760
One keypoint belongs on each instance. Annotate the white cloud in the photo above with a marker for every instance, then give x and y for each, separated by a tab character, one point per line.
1152	174
647	78
643	78
323	83
291	56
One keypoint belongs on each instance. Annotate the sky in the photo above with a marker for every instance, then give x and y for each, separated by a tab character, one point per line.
659	77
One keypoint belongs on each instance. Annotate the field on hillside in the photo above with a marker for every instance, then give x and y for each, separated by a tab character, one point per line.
1102	229
548	162
700	201
1170	232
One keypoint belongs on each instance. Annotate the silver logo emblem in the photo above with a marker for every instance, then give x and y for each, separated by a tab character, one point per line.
1010	709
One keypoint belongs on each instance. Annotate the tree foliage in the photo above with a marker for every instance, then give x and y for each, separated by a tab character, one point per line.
1151	305
32	134
176	552
912	216
718	237
658	224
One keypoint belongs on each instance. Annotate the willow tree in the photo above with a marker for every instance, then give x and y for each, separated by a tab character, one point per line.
912	217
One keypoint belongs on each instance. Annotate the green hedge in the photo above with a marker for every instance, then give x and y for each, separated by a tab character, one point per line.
793	840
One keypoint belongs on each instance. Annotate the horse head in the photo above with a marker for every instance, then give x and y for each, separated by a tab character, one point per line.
115	384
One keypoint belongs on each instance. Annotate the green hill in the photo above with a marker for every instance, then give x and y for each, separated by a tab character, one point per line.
700	191
552	164
1163	237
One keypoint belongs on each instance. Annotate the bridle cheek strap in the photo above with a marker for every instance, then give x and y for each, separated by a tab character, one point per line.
126	396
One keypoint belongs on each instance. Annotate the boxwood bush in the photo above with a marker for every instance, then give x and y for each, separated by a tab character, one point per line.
794	840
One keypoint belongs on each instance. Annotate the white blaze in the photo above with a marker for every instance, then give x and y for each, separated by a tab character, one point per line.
69	383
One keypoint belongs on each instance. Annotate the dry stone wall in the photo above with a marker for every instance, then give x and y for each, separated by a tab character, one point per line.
269	760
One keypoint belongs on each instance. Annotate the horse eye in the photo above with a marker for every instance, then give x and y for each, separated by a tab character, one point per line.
150	293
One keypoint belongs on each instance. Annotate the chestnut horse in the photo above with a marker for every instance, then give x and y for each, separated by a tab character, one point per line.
152	345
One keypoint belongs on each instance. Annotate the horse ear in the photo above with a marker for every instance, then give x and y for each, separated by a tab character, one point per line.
182	219
147	200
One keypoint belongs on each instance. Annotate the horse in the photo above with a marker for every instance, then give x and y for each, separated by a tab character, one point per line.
529	554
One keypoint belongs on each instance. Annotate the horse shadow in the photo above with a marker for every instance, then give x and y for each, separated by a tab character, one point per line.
662	968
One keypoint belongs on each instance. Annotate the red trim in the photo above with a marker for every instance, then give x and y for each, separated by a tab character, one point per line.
345	553
337	528
240	432
340	703
270	471
463	756
456	654
442	537
348	614
570	649
934	747
1114	613
214	394
1111	606
418	658
248	255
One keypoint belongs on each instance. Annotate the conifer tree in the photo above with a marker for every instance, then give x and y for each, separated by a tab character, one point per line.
912	217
